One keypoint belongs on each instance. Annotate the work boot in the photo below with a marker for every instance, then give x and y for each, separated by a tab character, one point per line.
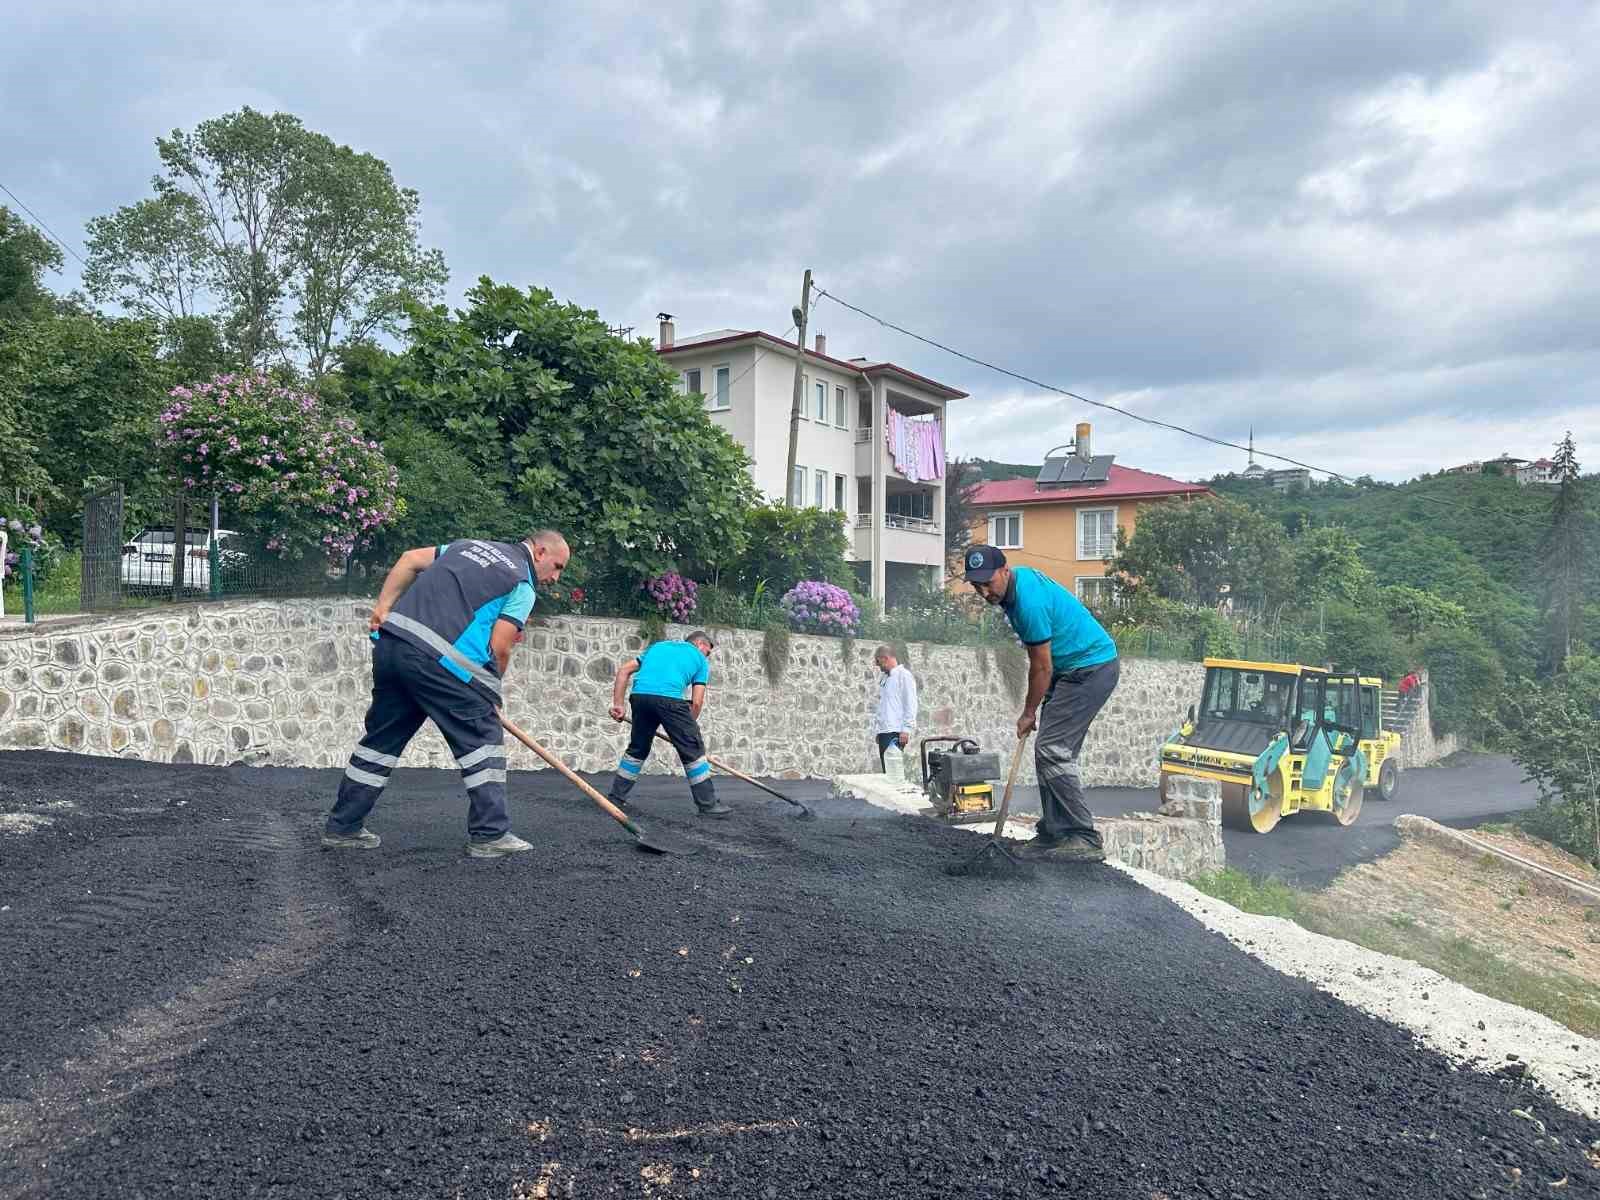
1036	845
715	809
506	843
619	801
361	839
1072	850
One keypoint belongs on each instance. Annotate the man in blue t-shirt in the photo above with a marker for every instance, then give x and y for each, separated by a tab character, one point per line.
660	677
442	631
1072	671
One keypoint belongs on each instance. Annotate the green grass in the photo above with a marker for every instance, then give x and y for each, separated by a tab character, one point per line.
1556	994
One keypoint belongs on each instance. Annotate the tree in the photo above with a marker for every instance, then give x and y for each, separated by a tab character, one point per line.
1562	560
584	431
961	482
1415	611
254	212
789	545
1552	730
1465	680
1203	550
1328	566
25	255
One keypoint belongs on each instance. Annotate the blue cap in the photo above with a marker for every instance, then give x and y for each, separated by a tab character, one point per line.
982	562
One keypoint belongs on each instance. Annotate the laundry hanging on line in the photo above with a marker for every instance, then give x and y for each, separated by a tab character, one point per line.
915	446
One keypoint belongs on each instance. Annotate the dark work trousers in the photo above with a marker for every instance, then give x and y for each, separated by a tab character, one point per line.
408	688
675	716
1072	702
885	740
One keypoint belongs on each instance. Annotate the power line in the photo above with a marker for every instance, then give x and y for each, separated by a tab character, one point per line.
1050	387
37	220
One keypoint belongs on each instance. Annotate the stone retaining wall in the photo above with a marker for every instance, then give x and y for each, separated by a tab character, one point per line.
1419	745
287	683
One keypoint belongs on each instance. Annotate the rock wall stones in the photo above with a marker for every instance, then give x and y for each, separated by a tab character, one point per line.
1420	746
287	683
1176	846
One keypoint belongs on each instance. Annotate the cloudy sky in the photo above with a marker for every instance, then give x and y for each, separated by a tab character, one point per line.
1372	231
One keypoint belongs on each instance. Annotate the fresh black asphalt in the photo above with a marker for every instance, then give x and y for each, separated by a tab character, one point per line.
200	1002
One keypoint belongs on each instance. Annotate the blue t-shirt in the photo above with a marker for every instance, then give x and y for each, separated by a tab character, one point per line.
667	668
1041	610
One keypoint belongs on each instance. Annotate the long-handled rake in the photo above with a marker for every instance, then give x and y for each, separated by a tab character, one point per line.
805	814
994	860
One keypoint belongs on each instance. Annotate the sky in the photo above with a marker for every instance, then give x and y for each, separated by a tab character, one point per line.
1370	232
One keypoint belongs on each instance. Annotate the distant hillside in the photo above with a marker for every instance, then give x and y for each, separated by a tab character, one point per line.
989	469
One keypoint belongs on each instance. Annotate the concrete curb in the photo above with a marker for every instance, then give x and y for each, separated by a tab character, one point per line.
1457	842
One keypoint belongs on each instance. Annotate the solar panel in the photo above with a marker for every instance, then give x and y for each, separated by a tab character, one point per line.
1074	470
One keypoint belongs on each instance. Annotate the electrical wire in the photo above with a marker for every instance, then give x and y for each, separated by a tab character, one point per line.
37	220
1049	387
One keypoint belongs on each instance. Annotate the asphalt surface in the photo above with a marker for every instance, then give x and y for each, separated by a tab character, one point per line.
200	1002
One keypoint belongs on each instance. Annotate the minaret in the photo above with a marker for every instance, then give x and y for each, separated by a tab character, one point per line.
1254	470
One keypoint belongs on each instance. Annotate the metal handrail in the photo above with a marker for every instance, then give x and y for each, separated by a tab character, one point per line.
897	521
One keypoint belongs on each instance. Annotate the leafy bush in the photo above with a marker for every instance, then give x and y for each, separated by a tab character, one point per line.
814	606
788	545
308	480
1465	680
1551	730
673	596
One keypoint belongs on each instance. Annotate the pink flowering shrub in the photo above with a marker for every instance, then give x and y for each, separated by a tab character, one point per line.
816	607
674	596
304	480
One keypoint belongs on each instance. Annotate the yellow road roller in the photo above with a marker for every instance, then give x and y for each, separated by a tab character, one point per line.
1283	738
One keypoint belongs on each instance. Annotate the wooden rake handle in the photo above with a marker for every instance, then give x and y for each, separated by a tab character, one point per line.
610	809
734	771
1011	779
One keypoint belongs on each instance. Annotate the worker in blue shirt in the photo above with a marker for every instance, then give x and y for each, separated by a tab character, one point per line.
1072	671
660	677
442	628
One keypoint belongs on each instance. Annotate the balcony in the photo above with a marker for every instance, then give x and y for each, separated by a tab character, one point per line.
905	539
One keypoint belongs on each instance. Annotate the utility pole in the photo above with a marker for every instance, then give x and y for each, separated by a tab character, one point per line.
796	499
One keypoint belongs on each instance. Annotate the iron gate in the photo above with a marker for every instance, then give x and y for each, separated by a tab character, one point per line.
100	582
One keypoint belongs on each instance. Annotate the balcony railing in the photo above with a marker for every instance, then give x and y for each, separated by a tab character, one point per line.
896	521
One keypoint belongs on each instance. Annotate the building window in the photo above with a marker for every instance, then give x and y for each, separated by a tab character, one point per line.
821	493
841	416
691	382
1097	533
1096	591
820	390
797	487
721	397
1005	530
838	493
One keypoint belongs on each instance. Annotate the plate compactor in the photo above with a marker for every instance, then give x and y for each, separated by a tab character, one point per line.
959	780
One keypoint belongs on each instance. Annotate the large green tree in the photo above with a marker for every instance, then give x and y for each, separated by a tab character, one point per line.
292	243
1203	550
25	255
1553	731
578	428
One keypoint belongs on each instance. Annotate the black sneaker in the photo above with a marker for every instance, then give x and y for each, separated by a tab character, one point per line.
715	809
361	839
618	801
1037	845
1072	850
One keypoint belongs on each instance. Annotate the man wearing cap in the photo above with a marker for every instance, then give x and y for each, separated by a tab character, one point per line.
442	631
1072	671
660	677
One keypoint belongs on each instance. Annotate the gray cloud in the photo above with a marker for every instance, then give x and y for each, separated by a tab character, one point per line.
1371	231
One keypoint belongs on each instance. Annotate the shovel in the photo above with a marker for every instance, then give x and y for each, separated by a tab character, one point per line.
644	841
805	814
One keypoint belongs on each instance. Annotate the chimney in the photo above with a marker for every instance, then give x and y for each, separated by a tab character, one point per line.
1080	444
667	331
822	343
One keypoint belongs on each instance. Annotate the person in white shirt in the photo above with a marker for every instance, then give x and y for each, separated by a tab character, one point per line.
897	701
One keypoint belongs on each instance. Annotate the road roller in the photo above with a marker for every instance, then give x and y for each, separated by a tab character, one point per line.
1283	738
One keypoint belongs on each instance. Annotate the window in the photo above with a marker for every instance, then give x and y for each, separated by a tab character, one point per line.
1095	591
820	390
910	504
1097	533
838	493
1005	531
841	416
821	494
720	398
691	382
797	487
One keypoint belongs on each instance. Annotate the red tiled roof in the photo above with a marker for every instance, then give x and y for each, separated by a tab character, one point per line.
1125	483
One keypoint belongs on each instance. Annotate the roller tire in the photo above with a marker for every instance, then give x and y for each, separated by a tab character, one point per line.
1388	780
1236	812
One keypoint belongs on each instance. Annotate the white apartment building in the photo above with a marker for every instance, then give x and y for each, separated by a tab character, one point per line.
890	496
